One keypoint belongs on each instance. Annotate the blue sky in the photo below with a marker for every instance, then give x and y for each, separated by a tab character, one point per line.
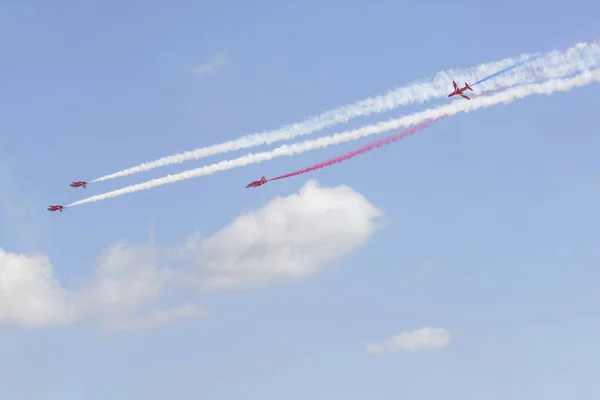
485	224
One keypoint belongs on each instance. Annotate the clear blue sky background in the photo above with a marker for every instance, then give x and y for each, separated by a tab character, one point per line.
492	216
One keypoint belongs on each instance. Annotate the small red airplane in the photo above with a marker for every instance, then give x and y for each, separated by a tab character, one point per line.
78	184
257	183
56	208
459	91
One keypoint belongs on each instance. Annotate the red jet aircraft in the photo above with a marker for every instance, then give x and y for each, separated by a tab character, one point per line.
55	208
459	91
78	184
257	183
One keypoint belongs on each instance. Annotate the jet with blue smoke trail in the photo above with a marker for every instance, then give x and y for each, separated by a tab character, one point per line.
459	91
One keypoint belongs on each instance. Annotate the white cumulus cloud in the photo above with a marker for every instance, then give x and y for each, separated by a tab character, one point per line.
30	294
126	278
290	237
424	338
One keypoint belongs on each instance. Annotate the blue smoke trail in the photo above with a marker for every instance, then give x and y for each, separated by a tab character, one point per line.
507	69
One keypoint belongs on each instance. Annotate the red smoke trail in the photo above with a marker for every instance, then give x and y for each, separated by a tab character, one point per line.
362	150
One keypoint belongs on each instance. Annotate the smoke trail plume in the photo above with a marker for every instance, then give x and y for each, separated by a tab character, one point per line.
507	69
556	64
362	150
505	97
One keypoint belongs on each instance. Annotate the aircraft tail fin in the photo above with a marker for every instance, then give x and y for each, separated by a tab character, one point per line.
468	87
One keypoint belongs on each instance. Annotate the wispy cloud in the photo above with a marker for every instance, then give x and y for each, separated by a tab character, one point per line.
219	61
153	320
424	338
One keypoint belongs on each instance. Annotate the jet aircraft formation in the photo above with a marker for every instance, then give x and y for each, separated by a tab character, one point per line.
73	184
263	180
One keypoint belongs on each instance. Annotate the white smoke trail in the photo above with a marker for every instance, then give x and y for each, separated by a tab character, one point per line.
555	64
507	96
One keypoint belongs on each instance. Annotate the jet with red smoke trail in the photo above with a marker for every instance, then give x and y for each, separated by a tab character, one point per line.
366	148
459	91
262	181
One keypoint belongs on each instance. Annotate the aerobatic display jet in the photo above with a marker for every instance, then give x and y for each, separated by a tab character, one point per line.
78	184
257	183
56	208
459	91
